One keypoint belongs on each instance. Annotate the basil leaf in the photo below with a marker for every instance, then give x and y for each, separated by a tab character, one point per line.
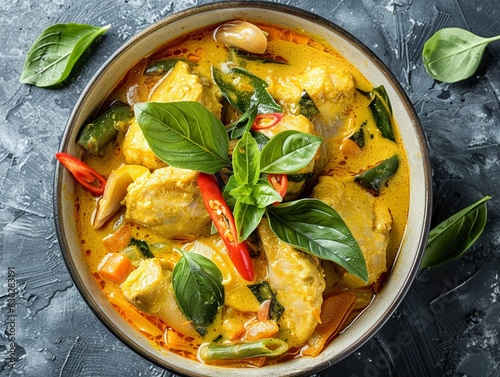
262	292
54	53
307	106
453	54
184	134
235	84
246	160
455	235
288	151
373	179
260	194
198	289
246	217
244	123
316	228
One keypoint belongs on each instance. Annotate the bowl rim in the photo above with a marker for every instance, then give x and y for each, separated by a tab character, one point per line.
264	5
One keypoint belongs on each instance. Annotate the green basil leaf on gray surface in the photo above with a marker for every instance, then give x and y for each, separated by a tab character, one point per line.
455	235
55	52
453	54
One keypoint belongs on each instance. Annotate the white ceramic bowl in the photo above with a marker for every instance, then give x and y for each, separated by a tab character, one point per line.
371	67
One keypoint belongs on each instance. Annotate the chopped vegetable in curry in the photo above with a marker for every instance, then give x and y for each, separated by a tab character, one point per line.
242	206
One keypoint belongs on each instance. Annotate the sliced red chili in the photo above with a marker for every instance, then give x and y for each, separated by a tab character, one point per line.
264	121
84	174
279	183
224	222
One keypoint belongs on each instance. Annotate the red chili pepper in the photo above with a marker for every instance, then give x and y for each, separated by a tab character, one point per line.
84	174
263	121
279	183
224	222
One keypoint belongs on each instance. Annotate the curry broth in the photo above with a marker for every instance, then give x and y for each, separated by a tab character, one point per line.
302	53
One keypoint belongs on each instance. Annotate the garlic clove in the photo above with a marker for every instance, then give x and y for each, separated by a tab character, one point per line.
242	35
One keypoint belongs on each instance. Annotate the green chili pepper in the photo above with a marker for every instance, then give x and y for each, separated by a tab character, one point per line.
98	134
222	351
374	178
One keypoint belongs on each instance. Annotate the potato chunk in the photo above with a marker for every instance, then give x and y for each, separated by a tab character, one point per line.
169	202
297	279
369	222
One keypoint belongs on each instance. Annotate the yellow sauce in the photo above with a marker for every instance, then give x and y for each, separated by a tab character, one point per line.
302	53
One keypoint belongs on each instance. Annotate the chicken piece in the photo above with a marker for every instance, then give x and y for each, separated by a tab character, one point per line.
296	181
149	288
369	222
179	84
298	282
137	151
332	90
169	202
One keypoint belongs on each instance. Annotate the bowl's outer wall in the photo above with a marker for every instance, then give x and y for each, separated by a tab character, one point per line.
373	69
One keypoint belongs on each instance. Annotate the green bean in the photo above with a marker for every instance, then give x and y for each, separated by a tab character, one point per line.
98	134
374	178
223	351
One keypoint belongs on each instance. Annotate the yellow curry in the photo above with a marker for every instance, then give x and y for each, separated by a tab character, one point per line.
143	236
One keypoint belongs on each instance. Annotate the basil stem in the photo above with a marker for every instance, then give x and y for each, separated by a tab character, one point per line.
453	54
55	52
373	179
198	289
262	292
227	351
455	235
98	134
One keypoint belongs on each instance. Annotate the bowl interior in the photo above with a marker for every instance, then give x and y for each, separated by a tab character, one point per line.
369	65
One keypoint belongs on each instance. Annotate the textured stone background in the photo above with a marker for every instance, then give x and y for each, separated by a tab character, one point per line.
448	325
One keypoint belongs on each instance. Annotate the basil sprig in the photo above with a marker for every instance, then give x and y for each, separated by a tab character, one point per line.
187	135
198	289
184	134
316	228
55	52
287	151
455	235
